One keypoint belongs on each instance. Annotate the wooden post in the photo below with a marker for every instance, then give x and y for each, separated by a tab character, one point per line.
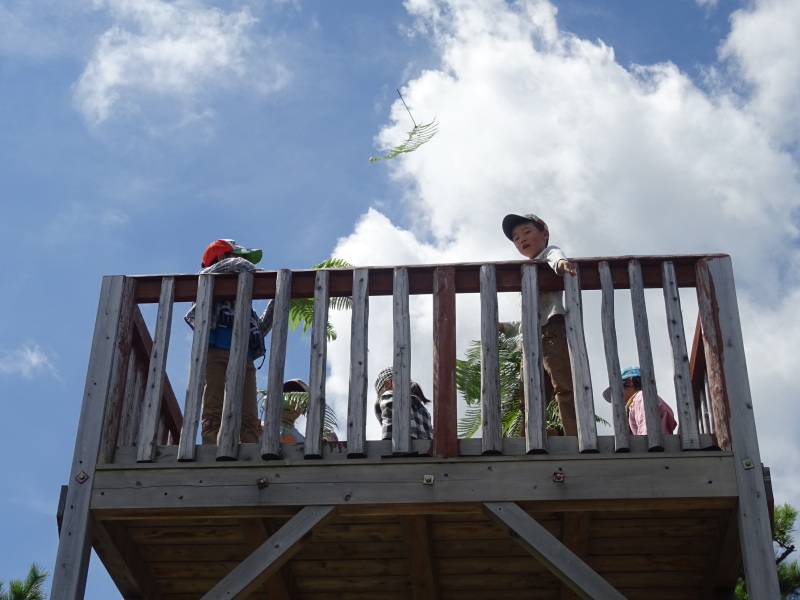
318	367
579	361
233	401
401	379
490	364
197	370
620	419
119	376
445	414
156	374
649	390
271	438
72	558
719	312
532	370
357	400
687	416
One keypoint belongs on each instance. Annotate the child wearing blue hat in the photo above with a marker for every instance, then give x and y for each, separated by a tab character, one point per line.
634	402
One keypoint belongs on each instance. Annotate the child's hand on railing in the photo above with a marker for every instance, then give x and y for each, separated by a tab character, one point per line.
564	266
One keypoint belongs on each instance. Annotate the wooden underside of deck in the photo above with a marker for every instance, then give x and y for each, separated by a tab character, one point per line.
654	526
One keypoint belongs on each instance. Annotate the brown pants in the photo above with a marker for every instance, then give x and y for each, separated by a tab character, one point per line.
214	393
555	356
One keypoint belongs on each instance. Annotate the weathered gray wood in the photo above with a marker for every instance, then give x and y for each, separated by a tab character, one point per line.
421	557
401	380
156	373
271	555
357	398
687	415
318	367
559	560
197	367
119	376
231	423
134	392
579	361
589	477
608	320
492	426
719	312
649	391
72	559
113	543
271	438
532	370
445	412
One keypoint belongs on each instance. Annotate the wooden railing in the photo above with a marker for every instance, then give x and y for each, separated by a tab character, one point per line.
142	410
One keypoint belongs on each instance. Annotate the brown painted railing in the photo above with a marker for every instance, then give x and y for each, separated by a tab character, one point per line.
142	410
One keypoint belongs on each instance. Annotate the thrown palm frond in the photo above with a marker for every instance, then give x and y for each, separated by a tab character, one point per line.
416	137
301	310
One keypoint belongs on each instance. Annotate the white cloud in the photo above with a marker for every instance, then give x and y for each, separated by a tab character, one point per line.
765	49
27	361
175	53
618	160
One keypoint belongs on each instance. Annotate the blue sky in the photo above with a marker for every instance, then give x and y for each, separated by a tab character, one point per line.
134	133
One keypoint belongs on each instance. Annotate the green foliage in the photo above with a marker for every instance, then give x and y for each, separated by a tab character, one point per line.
301	310
416	137
31	588
468	382
297	403
788	572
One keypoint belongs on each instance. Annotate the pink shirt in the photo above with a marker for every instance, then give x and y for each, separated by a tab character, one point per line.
636	419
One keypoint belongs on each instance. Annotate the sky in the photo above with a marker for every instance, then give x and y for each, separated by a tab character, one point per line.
135	132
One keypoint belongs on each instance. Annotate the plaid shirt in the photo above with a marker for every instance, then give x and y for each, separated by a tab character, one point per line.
222	312
420	418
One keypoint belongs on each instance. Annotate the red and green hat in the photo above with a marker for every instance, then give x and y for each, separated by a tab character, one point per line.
218	247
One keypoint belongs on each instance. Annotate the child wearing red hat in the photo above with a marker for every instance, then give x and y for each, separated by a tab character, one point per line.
226	256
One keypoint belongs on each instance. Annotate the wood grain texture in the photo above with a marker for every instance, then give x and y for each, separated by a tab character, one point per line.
491	422
357	404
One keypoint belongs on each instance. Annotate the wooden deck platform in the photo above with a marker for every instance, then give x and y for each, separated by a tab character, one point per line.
596	517
654	527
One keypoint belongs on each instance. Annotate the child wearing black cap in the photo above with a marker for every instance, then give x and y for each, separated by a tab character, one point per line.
531	238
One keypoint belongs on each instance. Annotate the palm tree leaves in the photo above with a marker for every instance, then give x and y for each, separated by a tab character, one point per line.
416	137
31	588
468	382
297	403
301	310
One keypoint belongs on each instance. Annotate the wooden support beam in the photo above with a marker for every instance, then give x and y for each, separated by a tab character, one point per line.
72	558
197	367
608	320
532	370
642	328
445	414
271	438
117	550
491	423
401	379
119	376
318	367
687	415
575	536
359	353
271	555
558	559
156	374
579	361
720	315
257	531
421	567
233	401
